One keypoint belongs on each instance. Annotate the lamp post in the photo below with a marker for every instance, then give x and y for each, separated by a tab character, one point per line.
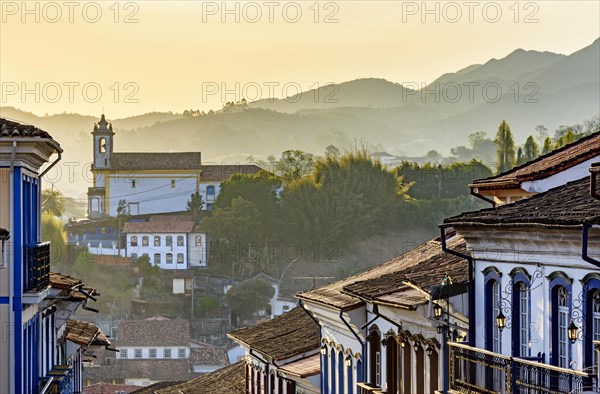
572	332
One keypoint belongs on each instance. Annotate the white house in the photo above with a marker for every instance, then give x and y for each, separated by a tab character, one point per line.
170	242
386	159
278	303
149	183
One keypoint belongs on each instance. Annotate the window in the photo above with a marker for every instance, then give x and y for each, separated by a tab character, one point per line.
169	240
198	240
167	353
157	240
156	258
596	315
152	353
375	358
181	353
133	240
179	258
172	183
169	258
138	353
133	183
145	240
391	363
180	240
523	293
563	324
210	193
209	207
286	308
124	353
496	338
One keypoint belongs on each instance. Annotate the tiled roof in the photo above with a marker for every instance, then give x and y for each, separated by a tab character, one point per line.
334	295
228	380
209	355
570	204
220	172
153	388
70	286
4	234
157	370
304	367
409	286
158	226
154	333
85	334
546	165
103	373
108	388
9	128
287	335
156	161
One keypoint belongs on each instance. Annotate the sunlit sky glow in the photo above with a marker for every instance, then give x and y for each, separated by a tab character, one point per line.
172	49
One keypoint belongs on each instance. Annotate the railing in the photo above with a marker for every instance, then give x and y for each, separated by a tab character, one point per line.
365	388
481	371
36	267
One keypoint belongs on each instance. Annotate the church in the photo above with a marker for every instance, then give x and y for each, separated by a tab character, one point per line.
150	183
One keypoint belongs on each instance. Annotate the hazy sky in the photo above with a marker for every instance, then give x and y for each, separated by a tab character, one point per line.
84	57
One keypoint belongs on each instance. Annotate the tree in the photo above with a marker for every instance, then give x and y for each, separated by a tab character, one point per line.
122	208
476	138
53	232
332	152
249	297
567	138
530	150
505	148
541	133
53	202
194	205
548	146
520	157
294	164
434	156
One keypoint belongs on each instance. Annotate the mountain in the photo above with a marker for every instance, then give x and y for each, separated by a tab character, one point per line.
552	90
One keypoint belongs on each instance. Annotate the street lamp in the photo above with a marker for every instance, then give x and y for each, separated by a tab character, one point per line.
348	361
323	349
501	321
572	332
429	350
437	311
416	346
403	343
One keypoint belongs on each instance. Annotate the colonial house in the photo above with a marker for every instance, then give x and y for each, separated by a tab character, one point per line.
379	329
282	354
149	351
538	293
556	168
170	242
150	182
40	351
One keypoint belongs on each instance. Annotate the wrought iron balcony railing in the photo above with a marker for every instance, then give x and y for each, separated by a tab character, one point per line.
36	267
481	371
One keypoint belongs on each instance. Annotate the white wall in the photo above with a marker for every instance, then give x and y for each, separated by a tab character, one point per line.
572	174
151	250
160	352
197	254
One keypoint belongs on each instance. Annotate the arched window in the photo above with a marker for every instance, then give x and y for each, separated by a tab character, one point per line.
349	375
180	240
169	258
420	358
406	365
520	312
272	382
157	240
434	374
391	364
258	385
332	374
325	372
591	325
375	358
340	374
210	193
102	145
560	295
145	240
492	310
156	258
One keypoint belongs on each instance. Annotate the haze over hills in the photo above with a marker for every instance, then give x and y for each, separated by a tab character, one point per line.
527	88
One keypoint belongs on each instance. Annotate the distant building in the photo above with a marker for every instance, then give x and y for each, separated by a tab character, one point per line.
154	182
170	242
386	159
278	303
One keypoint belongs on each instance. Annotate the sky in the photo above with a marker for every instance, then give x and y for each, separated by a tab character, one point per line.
132	57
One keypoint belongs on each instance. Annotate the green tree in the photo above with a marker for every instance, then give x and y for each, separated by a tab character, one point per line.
53	231
194	206
434	156
530	150
520	158
205	304
332	152
249	297
548	146
505	148
541	132
294	164
567	138
53	202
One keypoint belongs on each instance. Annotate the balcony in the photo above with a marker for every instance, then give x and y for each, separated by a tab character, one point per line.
36	267
476	370
368	389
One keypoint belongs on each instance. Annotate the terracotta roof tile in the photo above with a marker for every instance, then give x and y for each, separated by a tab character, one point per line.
287	335
570	204
304	367
132	161
334	295
158	226
209	355
229	380
544	166
157	370
410	285
12	129
220	172
154	333
153	388
85	334
108	388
